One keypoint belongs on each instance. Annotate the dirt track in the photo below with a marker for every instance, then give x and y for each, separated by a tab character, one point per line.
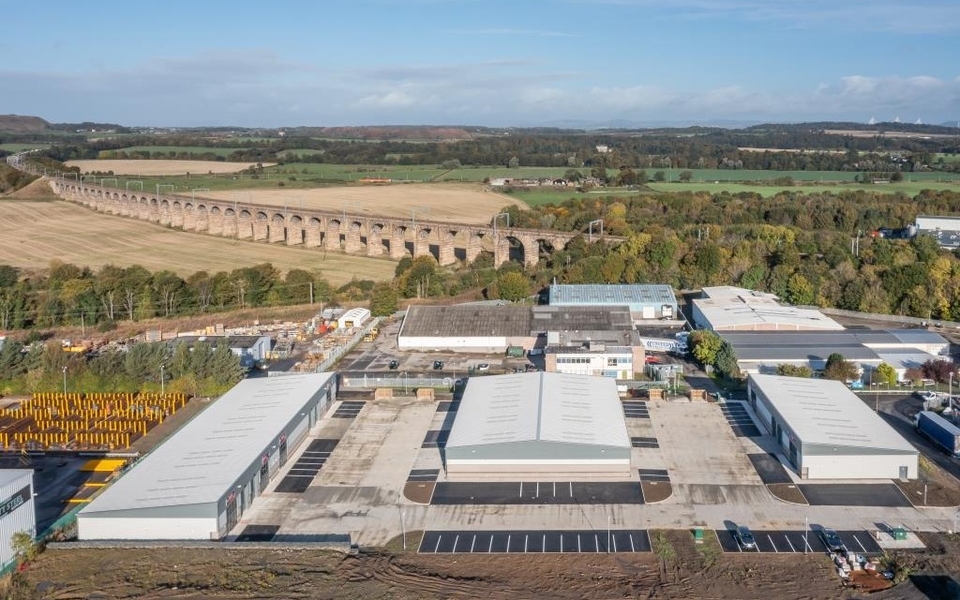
681	570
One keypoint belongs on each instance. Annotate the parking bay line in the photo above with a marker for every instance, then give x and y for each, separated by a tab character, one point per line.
772	544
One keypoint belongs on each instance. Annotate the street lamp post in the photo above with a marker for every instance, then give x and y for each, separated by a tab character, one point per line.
950	391
403	529
608	534
806	528
64	380
161	379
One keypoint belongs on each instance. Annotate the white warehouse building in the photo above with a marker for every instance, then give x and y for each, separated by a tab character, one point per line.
17	510
539	426
827	432
198	483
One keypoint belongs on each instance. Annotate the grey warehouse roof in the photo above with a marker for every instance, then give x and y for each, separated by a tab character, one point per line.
206	456
853	344
593	294
824	412
543	407
466	320
581	318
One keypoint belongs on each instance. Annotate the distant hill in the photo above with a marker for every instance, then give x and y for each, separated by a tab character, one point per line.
23	124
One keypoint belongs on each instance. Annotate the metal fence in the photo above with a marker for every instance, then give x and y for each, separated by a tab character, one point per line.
339	351
896	319
399	381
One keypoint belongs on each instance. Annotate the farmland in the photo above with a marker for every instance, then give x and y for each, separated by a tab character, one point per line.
16	147
175	149
78	235
446	202
157	167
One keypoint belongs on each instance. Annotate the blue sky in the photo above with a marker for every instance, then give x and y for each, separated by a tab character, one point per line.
481	62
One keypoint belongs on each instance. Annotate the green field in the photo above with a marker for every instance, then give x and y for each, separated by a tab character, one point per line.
13	147
910	188
177	149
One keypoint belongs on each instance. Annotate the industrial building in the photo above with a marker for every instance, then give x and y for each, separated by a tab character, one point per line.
252	349
645	301
727	308
17	511
465	328
946	230
543	426
199	482
827	432
763	352
355	317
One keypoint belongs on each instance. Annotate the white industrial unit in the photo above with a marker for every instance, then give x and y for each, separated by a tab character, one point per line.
539	426
198	483
612	361
727	308
17	512
466	328
355	317
827	432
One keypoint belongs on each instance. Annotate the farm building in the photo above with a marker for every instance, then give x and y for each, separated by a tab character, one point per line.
646	301
17	511
199	482
764	351
355	317
827	432
727	308
539	425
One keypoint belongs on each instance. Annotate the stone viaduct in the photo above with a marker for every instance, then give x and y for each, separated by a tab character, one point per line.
334	231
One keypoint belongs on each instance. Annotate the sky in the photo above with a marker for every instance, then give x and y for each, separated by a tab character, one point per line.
576	63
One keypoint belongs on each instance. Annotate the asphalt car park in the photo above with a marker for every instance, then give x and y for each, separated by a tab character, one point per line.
739	420
303	471
424	475
797	541
635	409
435	438
258	533
348	410
500	542
854	494
654	475
769	468
537	492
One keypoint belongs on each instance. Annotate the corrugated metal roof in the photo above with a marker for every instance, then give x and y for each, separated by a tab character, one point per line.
548	407
593	294
853	344
466	321
207	455
581	318
825	412
747	310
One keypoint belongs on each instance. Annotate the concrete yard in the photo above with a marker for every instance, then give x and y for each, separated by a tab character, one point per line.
358	492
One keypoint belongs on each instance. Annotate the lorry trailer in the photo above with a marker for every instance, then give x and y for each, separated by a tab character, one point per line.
940	431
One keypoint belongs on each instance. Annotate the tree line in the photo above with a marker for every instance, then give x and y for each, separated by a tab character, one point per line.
198	369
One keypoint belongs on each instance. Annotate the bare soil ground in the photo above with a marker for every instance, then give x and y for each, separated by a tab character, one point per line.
159	167
468	203
38	231
787	492
655	491
678	569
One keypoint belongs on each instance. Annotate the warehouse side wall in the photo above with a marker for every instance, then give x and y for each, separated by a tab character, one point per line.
147	528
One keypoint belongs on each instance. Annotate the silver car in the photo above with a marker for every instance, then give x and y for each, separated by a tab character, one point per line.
831	539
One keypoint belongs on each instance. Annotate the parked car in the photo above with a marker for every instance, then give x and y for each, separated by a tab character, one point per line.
483	367
437	365
745	538
394	364
831	540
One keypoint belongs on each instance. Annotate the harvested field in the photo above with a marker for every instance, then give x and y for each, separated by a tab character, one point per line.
435	202
37	232
159	167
